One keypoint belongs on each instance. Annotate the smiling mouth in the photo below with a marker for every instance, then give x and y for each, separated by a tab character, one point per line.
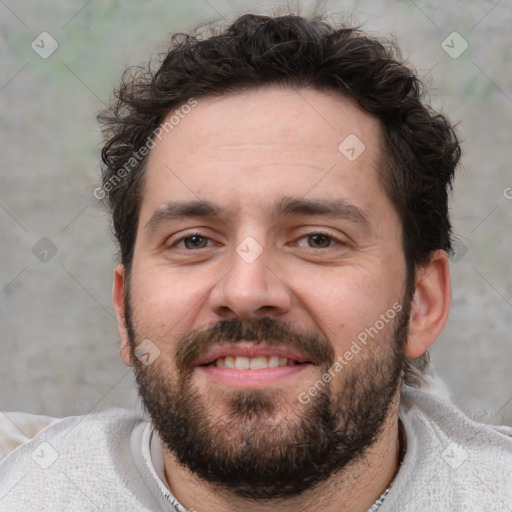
253	363
248	365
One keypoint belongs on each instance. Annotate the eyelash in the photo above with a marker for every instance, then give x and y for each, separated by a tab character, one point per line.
200	235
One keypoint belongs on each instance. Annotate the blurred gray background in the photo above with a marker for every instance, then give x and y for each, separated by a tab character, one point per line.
58	337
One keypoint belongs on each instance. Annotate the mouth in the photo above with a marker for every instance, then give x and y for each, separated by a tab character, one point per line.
252	363
246	365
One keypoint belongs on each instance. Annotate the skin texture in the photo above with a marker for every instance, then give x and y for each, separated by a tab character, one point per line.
246	152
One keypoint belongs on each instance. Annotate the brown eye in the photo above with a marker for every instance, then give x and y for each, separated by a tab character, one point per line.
319	241
195	242
192	241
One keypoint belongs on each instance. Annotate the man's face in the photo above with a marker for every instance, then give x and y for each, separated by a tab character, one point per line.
297	256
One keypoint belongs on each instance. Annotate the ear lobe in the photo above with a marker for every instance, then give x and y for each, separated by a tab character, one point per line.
430	305
126	352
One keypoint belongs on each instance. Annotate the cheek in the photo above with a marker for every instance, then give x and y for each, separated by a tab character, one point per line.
366	354
345	302
165	301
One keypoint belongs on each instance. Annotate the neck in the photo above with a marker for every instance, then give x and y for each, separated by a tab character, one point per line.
357	486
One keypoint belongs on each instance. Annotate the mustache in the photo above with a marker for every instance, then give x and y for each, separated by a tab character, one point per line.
311	345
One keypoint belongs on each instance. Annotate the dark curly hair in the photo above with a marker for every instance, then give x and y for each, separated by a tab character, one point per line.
419	147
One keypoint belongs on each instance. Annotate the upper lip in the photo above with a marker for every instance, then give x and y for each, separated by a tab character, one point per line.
248	349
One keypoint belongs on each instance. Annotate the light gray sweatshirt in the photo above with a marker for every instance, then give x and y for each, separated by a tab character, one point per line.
112	461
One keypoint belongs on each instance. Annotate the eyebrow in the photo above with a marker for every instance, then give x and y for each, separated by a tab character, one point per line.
335	208
175	210
286	207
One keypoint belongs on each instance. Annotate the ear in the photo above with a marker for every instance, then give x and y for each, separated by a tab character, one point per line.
430	305
119	305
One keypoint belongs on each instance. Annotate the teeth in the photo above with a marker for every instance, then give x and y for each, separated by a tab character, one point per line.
242	363
273	361
256	363
253	363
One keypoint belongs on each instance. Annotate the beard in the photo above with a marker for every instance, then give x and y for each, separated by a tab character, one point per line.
264	447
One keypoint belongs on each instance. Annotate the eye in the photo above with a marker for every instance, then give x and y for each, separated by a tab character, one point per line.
318	240
315	240
192	241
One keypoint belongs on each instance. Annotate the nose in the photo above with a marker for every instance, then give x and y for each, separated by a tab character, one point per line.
250	289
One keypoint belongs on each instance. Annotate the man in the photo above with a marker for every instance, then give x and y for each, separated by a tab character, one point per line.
278	191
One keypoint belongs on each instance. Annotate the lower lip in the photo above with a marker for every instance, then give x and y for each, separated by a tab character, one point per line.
263	377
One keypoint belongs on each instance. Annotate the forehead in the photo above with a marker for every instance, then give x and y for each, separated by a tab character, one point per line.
272	141
273	117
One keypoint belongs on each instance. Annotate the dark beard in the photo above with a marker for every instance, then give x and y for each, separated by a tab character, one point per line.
247	451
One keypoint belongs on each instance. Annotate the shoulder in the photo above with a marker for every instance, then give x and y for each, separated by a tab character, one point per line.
444	426
17	428
423	407
74	458
82	434
451	462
